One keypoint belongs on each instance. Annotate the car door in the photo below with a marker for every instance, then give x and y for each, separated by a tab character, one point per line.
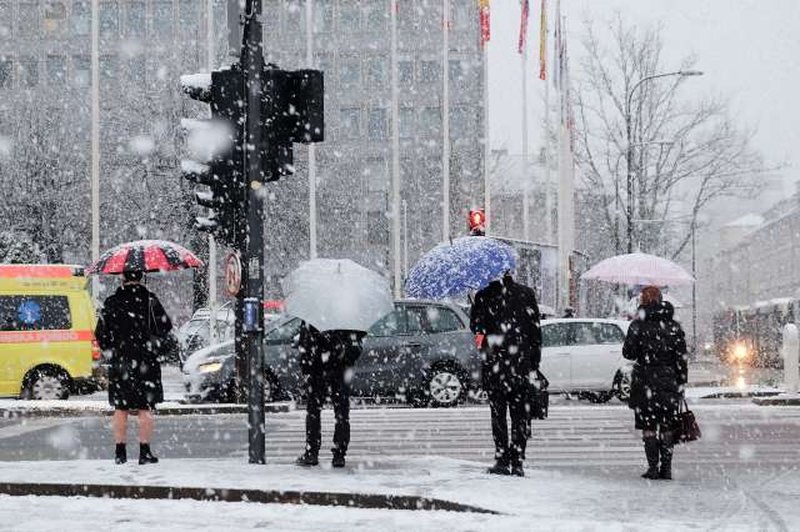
556	359
281	355
378	348
596	355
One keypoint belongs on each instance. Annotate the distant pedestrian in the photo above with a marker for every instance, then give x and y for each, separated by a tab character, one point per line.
507	315
657	344
326	360
131	325
569	312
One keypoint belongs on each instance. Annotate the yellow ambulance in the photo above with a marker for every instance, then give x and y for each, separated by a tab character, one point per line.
47	345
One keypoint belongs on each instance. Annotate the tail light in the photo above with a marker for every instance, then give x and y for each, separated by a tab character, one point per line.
95	350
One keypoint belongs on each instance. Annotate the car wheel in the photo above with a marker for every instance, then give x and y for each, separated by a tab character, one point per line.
46	384
446	386
622	386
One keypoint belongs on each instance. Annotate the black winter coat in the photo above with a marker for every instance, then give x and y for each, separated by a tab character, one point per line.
328	351
657	344
131	324
507	314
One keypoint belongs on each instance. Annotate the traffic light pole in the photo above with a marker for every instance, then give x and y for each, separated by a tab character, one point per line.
252	297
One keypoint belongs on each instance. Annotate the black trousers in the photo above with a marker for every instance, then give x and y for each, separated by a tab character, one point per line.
513	402
319	386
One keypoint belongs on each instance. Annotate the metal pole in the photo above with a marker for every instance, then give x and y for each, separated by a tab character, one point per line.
487	194
212	244
694	288
395	156
445	120
629	163
526	233
253	67
405	239
312	153
95	171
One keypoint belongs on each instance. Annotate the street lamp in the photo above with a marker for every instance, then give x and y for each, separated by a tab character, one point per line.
629	148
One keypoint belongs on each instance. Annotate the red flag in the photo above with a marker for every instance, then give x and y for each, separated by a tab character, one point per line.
483	8
543	42
523	26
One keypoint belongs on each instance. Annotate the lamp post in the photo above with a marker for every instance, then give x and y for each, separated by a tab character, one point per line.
629	149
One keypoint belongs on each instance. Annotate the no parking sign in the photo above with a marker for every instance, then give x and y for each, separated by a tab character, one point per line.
233	274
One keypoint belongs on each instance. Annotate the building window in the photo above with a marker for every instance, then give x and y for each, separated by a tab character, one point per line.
430	122
405	73
350	122
349	72
460	14
378	224
323	16
295	16
108	68
349	17
135	21
430	72
28	20
376	72
56	69
376	16
429	14
81	75
109	19
271	18
162	20
81	18
189	16
55	18
407	122
136	70
406	16
462	122
6	72
6	20
28	72
377	123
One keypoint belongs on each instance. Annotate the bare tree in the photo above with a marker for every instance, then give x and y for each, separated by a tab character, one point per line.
684	154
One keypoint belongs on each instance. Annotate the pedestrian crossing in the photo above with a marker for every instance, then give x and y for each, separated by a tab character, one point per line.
572	436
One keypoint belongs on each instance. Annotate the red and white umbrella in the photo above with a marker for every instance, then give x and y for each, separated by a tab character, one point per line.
639	269
145	256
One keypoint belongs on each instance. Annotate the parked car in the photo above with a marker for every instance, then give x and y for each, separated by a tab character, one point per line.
422	352
584	356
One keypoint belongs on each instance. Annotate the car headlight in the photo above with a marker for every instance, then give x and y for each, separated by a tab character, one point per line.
209	367
740	352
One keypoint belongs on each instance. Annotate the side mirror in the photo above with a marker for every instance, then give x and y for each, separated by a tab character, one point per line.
296	341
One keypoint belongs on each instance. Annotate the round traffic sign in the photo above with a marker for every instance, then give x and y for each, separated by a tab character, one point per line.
233	274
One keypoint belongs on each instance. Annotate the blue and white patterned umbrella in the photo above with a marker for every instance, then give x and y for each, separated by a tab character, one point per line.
453	269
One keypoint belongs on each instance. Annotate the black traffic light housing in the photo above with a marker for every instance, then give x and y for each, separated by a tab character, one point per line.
220	168
292	111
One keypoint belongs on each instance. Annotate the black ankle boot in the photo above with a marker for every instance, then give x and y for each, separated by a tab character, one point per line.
665	471
338	459
500	467
145	455
120	454
651	451
308	459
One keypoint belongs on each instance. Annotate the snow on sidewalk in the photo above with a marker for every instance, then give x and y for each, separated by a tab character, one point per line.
544	500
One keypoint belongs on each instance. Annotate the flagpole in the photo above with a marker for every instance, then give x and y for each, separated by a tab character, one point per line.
95	170
312	153
445	120
526	233
395	156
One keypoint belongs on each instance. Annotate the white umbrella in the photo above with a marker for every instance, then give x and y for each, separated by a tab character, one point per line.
337	294
639	269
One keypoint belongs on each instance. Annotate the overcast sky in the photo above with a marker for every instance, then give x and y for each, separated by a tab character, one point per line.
748	49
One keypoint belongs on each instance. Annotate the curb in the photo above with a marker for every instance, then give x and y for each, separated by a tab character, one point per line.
778	401
314	498
178	410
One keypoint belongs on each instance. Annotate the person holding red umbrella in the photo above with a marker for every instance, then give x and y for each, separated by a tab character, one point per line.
132	327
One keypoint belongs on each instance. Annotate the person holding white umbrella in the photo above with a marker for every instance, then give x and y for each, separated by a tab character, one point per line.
338	301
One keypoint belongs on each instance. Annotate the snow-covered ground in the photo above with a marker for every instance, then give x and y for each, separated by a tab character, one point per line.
594	499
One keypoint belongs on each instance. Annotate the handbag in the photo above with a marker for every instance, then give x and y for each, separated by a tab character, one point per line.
685	427
538	397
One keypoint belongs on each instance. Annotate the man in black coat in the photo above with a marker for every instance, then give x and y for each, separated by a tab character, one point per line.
656	342
507	315
131	325
326	360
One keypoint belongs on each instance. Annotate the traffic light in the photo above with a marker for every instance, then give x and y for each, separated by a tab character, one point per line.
477	222
292	111
217	164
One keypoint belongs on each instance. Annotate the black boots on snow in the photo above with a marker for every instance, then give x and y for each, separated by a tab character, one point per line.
120	454
665	471
651	445
500	467
145	455
307	459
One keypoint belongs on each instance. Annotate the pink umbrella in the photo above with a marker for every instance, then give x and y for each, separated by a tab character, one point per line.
639	269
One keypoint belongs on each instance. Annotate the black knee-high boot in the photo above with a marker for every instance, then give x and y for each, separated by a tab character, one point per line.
665	471
651	451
